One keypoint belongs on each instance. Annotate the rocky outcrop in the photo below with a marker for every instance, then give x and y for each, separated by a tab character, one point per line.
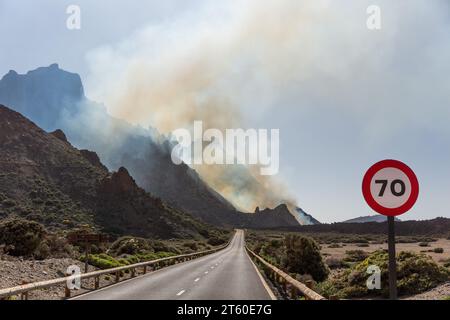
46	179
119	183
60	135
93	158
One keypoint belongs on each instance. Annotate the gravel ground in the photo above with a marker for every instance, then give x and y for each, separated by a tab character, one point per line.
14	271
439	293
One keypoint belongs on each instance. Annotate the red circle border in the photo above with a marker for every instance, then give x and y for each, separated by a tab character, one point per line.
390	212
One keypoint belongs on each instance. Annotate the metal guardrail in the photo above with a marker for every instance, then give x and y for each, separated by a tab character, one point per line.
24	289
292	287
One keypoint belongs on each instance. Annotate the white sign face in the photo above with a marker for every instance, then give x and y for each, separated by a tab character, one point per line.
390	187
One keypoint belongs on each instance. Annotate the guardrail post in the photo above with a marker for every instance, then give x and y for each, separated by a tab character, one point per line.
117	276
133	272
66	292
66	288
97	282
24	295
293	292
145	269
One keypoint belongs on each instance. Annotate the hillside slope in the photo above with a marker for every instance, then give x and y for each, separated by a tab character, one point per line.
54	98
44	178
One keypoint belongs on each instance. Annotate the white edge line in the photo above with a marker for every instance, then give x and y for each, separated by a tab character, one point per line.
196	280
266	286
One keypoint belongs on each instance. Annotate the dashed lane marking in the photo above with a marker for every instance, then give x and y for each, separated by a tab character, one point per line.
181	292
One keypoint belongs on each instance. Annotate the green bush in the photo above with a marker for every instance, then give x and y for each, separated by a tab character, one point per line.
424	244
416	273
21	237
102	261
215	241
130	245
355	255
438	250
303	257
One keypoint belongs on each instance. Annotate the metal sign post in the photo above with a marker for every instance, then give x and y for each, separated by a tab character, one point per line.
390	188
392	260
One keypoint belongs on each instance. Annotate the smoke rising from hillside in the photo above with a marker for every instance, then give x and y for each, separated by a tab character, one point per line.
230	62
168	76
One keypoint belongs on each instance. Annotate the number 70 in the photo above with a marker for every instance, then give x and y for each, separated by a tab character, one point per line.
394	183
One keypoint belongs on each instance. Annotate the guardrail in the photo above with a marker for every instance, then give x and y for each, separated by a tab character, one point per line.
292	287
24	289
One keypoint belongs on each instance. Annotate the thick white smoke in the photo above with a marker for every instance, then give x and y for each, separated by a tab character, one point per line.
233	61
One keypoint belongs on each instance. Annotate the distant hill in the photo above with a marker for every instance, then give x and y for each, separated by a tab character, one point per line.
54	99
438	226
374	218
45	179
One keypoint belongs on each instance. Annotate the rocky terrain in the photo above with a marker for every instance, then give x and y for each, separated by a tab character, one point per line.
45	179
54	99
15	271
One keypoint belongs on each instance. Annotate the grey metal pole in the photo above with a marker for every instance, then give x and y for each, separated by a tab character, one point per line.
392	259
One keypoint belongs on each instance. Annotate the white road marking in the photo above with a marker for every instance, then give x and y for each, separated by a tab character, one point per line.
196	279
212	267
181	292
206	272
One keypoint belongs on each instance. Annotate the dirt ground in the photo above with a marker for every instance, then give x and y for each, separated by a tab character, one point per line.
339	253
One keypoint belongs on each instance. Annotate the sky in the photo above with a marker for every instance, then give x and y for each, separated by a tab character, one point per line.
343	96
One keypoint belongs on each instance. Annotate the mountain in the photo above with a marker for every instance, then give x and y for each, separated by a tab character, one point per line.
55	99
45	179
272	218
305	219
374	218
42	95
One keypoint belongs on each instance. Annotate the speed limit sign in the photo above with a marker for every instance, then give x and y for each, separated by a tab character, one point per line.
390	187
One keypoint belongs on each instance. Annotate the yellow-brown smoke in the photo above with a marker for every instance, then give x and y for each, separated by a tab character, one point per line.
199	73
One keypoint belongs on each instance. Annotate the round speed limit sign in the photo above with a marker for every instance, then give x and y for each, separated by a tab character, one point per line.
390	187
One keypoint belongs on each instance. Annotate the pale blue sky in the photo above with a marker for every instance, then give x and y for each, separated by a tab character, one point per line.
352	96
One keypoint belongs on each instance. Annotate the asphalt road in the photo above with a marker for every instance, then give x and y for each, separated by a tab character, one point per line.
225	275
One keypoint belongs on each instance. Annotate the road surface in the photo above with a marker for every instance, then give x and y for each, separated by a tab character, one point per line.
225	275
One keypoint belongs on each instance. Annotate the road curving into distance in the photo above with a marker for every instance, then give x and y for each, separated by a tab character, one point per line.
225	275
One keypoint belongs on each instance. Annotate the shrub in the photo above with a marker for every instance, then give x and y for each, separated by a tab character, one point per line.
9	203
334	263
438	250
446	262
303	257
21	237
130	245
191	245
416	273
42	251
215	241
424	244
102	261
355	255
